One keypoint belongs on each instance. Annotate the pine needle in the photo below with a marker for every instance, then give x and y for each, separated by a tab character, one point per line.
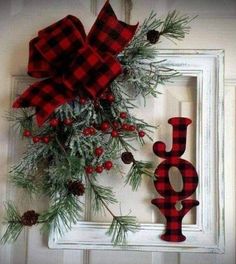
176	26
13	221
138	169
60	216
120	227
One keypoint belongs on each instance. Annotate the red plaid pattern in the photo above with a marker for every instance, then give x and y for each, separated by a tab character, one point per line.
173	232
74	64
91	71
108	34
179	139
167	205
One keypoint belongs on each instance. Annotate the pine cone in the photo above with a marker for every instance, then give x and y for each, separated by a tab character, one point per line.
127	157
76	188
153	36
29	218
126	71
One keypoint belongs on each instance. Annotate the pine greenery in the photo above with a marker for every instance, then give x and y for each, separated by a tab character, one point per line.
47	167
137	170
13	221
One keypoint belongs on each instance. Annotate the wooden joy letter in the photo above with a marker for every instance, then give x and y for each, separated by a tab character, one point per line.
167	205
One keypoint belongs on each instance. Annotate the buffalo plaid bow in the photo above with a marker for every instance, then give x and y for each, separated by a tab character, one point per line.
73	63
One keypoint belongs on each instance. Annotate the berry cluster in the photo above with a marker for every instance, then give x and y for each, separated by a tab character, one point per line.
54	122
116	127
89	131
37	139
107	165
107	96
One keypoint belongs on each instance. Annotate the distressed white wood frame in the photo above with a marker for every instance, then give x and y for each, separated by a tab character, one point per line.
207	235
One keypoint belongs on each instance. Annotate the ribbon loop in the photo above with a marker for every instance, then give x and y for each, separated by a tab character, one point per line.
59	42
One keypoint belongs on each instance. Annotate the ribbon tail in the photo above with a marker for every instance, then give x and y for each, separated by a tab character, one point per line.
45	96
108	34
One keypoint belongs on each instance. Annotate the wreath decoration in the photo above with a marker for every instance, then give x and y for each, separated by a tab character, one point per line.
77	120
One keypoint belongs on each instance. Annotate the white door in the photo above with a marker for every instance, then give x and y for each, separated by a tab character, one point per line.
215	28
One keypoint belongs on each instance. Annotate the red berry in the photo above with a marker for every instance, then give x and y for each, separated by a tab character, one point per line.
99	169
105	126
123	115
132	128
36	139
82	101
107	165
110	98
46	139
27	133
141	133
92	130
86	131
96	104
98	151
125	126
54	122
89	169
116	124
103	96
68	121
114	133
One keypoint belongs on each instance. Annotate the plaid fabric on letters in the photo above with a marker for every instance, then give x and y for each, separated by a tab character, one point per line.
179	139
189	177
174	217
73	63
167	204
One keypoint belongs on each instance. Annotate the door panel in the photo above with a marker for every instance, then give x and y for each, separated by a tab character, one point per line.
20	21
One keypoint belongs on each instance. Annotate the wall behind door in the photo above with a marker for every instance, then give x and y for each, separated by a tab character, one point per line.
214	28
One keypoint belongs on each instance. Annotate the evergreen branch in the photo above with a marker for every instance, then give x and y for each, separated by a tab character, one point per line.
137	170
176	26
21	119
28	183
60	216
120	227
101	197
13	221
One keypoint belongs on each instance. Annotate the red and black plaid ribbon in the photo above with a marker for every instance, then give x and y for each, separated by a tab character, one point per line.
168	203
74	64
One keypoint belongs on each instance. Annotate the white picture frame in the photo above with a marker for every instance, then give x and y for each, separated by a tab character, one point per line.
207	235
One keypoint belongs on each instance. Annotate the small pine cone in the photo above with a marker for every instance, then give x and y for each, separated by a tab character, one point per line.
29	218
127	157
76	188
126	71
153	36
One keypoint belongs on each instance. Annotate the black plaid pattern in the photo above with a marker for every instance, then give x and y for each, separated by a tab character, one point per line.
167	205
179	139
108	34
74	64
